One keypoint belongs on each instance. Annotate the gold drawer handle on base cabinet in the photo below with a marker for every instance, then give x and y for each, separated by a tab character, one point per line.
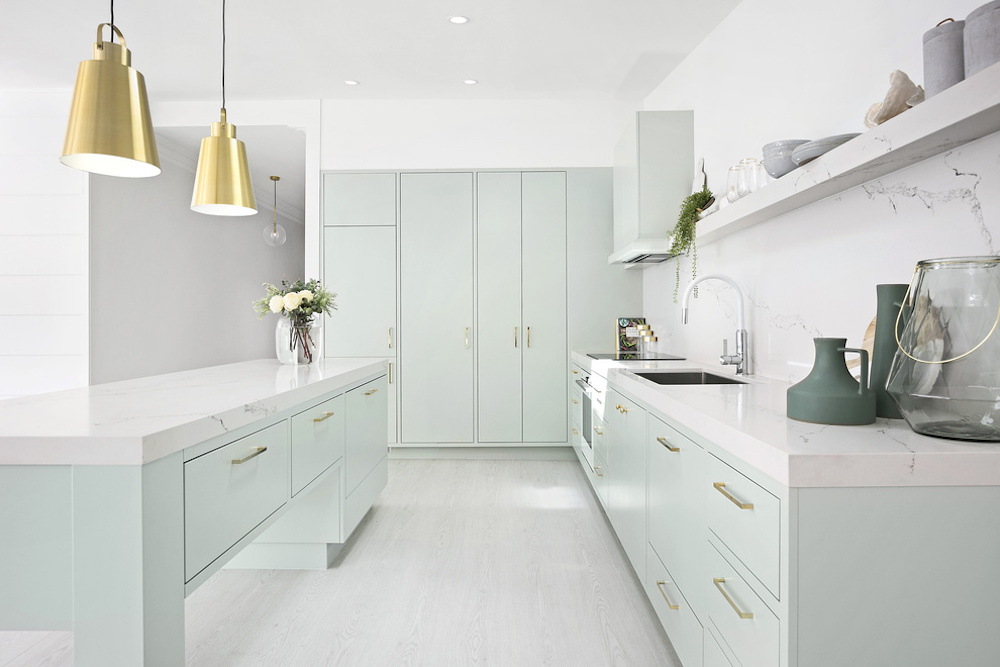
369	393
575	432
598	431
718	581
596	468
326	415
660	584
721	488
666	443
260	450
576	402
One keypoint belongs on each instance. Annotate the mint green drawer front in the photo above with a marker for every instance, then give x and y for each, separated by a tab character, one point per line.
747	518
224	500
672	608
367	444
317	441
742	620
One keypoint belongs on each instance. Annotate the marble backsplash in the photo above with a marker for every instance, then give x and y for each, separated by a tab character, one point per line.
813	272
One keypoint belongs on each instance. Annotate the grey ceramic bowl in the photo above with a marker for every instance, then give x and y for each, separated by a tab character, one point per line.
779	165
810	151
782	145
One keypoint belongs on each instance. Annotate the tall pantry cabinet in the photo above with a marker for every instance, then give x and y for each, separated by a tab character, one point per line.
474	284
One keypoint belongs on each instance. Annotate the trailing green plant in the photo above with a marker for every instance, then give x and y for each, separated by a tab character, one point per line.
683	237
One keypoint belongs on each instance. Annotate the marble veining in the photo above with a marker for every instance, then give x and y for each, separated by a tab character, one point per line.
137	421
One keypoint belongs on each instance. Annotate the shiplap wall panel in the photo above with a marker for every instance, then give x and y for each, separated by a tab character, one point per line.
44	265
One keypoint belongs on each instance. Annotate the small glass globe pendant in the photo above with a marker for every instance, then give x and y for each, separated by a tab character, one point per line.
274	234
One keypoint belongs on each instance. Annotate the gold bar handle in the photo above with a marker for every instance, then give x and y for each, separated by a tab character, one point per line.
575	432
260	450
596	468
326	415
576	372
369	393
576	402
666	443
721	488
718	581
466	338
598	431
390	338
515	336
660	584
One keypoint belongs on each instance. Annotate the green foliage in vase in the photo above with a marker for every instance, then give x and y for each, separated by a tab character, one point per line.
683	236
298	301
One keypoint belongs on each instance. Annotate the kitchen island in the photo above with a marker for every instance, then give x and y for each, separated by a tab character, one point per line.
762	540
120	499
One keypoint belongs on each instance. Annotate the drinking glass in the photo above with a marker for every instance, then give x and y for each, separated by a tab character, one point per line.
732	183
747	181
762	178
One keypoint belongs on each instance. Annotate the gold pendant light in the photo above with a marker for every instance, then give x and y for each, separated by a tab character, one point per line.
274	234
110	131
222	184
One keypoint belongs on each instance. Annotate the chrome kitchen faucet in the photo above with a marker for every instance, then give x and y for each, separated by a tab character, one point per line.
741	358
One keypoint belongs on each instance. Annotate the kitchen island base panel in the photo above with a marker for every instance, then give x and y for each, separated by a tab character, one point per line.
128	555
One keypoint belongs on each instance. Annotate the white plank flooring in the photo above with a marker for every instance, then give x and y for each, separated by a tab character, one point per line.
507	563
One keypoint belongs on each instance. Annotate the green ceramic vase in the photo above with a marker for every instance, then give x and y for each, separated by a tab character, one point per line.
829	394
890	299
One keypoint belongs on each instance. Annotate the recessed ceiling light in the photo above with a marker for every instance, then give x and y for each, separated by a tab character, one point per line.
470	82
351	83
458	19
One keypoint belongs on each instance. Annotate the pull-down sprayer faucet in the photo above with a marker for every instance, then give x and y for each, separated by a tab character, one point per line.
741	357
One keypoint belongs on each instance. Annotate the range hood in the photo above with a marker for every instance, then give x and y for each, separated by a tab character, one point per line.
643	251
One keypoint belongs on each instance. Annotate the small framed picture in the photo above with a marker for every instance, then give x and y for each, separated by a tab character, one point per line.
628	333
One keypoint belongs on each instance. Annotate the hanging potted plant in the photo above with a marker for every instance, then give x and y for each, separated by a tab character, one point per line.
683	236
298	336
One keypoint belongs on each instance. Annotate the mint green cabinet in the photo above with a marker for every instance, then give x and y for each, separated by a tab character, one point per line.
360	199
317	441
626	445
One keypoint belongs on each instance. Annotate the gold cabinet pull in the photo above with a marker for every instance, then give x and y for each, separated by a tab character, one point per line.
660	584
598	431
666	443
390	338
369	393
596	468
326	415
515	336
721	488
260	450
575	432
575	372
718	581
466	338
529	336
576	402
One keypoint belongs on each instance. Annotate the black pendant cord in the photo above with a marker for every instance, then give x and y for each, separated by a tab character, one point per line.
223	54
112	20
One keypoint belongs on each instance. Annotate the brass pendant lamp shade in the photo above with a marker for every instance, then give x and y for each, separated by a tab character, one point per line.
110	131
222	185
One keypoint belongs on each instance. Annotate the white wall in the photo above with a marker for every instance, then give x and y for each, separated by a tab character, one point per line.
764	75
172	289
444	134
43	249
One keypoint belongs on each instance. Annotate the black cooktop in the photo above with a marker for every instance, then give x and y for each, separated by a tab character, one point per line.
634	356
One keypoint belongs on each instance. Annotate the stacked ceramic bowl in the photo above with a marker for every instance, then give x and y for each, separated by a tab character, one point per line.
807	152
778	156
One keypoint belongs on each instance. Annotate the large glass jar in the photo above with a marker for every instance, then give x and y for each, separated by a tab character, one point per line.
945	376
297	343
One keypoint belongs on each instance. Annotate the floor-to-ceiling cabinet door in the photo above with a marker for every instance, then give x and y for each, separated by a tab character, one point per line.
543	306
499	333
436	308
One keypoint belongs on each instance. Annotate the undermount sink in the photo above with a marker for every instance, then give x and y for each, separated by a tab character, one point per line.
688	377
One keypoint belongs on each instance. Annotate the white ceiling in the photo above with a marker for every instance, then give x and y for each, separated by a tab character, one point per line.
397	49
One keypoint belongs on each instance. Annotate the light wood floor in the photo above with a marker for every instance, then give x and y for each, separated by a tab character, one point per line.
506	563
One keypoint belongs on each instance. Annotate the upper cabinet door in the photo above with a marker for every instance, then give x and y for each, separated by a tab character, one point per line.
437	332
543	304
500	334
360	268
359	199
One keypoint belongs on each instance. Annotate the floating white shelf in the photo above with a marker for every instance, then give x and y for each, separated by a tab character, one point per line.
963	113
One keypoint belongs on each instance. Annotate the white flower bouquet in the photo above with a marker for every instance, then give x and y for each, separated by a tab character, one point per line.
301	303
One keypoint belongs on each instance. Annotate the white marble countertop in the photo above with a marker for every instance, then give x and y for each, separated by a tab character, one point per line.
137	421
749	422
